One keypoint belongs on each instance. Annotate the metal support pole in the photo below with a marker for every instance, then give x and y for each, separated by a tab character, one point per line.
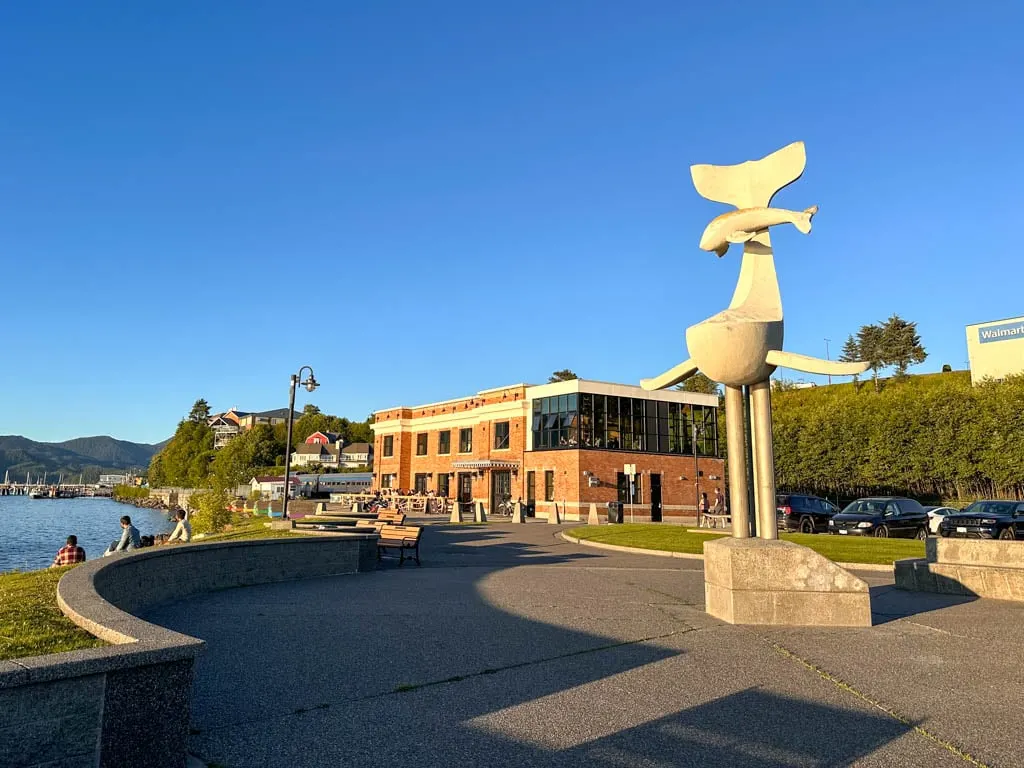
737	463
764	459
288	447
748	453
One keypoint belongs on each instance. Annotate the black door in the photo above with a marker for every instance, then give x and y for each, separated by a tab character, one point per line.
465	492
501	490
655	498
623	483
531	493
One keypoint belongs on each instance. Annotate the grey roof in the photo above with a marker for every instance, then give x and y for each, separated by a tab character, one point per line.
358	448
277	413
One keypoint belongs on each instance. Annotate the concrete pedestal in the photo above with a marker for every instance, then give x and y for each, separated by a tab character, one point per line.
977	567
592	518
456	516
518	515
553	516
774	582
481	513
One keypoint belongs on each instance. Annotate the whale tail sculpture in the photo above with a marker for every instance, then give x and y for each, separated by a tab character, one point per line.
754	183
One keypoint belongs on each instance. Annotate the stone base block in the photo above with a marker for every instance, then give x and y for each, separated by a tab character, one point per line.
755	581
282	525
997	583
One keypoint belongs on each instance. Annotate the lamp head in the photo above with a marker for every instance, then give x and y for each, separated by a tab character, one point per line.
310	383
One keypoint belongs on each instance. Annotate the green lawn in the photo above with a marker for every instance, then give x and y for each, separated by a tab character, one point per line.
31	624
673	538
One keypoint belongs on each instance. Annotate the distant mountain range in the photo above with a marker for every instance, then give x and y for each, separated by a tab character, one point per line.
86	456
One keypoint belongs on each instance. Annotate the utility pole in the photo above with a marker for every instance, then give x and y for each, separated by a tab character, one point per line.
828	358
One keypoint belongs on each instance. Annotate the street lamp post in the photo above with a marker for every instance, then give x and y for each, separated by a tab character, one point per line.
828	358
310	384
696	466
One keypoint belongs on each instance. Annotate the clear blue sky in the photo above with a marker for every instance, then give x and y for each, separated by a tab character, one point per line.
422	200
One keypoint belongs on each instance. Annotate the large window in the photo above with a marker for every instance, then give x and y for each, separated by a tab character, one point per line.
531	487
421	444
386	480
501	435
617	423
389	445
444	442
466	440
442	484
420	482
549	485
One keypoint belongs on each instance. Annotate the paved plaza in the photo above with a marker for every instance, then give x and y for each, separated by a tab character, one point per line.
513	647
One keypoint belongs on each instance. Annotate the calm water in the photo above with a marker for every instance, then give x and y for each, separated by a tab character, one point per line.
32	530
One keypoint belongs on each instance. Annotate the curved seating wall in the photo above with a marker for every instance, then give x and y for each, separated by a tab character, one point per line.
89	707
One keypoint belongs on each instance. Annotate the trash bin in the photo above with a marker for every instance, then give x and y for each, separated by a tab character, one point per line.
614	511
531	509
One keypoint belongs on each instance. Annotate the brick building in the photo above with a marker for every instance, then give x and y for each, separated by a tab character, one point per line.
565	443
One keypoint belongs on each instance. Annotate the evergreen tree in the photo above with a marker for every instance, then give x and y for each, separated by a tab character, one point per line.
563	375
901	345
200	411
699	383
871	347
851	354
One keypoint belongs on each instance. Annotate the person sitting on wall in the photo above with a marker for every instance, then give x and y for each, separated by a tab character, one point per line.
129	540
69	554
182	531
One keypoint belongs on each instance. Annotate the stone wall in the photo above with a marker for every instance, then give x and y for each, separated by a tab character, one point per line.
127	704
972	567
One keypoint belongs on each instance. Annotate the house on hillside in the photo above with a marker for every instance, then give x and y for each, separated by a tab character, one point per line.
271	418
324	438
357	455
316	453
225	426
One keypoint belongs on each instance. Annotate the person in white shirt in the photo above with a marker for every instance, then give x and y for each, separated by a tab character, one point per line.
183	530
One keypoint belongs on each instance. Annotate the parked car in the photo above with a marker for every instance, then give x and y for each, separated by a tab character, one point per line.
935	515
989	519
804	513
882	516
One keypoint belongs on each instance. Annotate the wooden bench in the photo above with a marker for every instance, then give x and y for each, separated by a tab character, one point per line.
393	518
400	537
374	525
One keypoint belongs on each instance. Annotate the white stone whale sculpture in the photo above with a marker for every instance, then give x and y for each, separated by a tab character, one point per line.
742	345
742	225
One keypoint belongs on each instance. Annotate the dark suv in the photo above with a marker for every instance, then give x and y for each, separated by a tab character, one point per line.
800	512
881	516
989	519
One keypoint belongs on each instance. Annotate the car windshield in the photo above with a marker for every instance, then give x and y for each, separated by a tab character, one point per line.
991	508
865	507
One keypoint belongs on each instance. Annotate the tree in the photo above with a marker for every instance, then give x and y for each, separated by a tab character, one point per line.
246	456
871	347
851	354
699	382
200	411
901	345
310	410
563	375
185	461
947	368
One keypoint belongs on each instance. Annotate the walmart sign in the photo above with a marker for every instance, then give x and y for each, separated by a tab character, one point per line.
1004	332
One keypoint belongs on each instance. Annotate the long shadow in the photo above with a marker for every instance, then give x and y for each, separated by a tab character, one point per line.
419	665
889	603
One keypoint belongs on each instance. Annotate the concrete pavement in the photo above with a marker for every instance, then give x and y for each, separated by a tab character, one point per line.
511	646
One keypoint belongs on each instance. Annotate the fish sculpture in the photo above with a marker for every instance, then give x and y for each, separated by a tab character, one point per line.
744	224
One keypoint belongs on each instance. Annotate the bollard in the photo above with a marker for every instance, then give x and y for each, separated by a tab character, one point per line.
481	513
456	512
592	518
553	514
518	516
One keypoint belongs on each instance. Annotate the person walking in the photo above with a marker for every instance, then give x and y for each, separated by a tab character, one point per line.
69	554
718	508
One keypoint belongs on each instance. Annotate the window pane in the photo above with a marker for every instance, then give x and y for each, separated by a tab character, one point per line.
600	421
571	402
563	403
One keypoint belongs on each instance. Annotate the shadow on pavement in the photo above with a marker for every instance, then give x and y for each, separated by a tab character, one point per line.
889	604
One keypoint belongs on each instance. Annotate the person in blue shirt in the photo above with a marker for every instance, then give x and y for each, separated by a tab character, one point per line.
129	537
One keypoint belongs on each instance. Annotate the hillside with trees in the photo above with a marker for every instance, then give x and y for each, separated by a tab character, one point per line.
932	437
189	459
87	457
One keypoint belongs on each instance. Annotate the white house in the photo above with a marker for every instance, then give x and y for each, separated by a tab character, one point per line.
270	487
357	455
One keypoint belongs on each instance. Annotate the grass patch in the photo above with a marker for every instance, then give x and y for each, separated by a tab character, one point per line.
673	538
31	624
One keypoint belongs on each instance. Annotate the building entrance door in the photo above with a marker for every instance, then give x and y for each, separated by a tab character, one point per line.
655	498
465	492
501	491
